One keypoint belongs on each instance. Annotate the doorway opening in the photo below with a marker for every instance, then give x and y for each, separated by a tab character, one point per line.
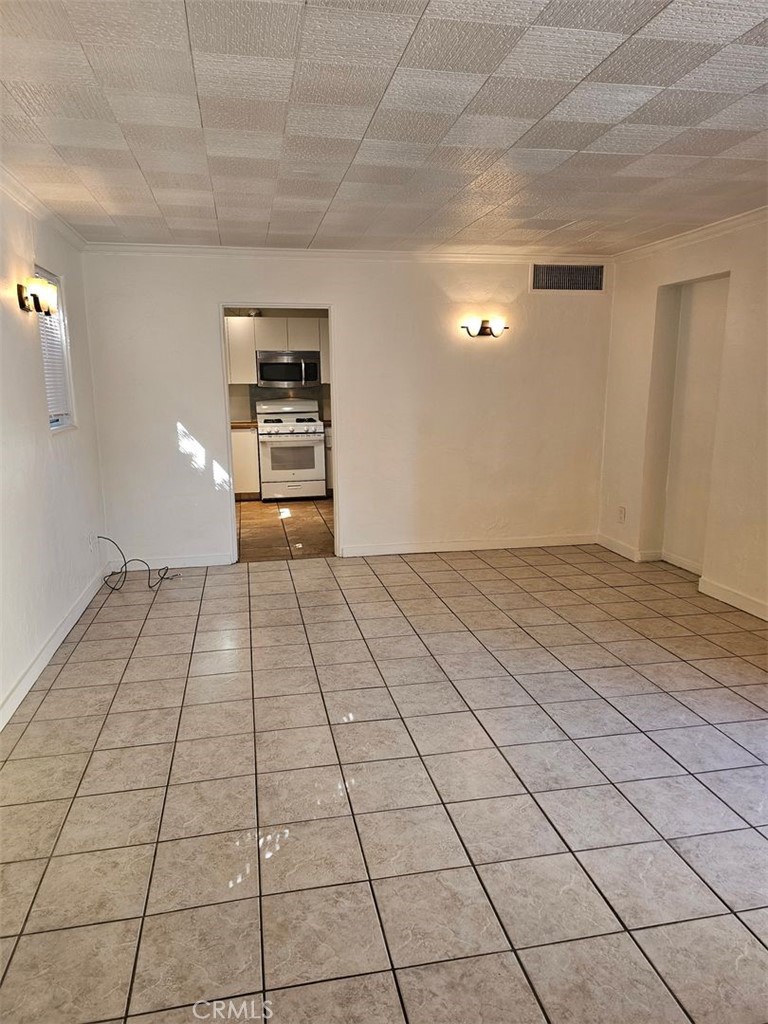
281	428
685	384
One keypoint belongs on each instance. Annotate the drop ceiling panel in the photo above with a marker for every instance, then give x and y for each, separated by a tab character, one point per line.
489	125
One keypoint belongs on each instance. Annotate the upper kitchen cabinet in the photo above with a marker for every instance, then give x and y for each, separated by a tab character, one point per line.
303	334
270	333
325	353
242	351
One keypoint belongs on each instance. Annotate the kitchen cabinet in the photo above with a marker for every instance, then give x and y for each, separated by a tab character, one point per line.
303	334
270	333
325	353
241	350
245	461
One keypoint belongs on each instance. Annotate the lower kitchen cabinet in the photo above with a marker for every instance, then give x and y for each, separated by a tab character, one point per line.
245	461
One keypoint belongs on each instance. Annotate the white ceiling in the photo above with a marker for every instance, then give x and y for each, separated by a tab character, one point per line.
458	125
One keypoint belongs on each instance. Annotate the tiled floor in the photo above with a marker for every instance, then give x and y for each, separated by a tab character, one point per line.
504	786
272	530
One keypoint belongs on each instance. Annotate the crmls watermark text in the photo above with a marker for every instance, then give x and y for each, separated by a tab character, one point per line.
232	1009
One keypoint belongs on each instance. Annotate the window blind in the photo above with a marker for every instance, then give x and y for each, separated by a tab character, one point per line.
55	365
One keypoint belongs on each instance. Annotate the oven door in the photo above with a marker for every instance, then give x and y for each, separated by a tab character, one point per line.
288	369
286	457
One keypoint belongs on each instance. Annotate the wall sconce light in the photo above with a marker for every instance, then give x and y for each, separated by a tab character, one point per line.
38	295
487	329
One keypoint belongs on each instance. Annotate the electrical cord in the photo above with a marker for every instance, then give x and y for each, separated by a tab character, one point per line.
122	572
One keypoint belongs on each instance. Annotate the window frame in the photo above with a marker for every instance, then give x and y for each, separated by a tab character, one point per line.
69	421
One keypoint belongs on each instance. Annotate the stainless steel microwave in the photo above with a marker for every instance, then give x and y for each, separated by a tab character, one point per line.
288	369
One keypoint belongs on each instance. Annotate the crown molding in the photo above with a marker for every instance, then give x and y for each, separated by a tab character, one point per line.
706	233
365	255
21	195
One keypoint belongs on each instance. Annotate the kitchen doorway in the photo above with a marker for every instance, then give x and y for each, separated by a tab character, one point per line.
278	373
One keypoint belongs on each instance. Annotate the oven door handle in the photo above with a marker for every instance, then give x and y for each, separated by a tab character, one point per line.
303	375
293	440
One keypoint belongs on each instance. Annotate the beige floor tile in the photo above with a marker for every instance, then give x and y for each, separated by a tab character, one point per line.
198	954
295	748
85	888
318	934
409	840
504	828
291	711
372	741
65	736
132	728
309	854
217	689
218	805
124	768
213	757
440	915
547	899
204	869
472	775
159	693
385	785
486	989
226	718
300	795
360	1000
41	778
18	883
600	981
75	702
29	830
111	820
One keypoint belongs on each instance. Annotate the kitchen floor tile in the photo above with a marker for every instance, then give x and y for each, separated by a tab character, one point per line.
554	765
440	915
204	869
372	741
594	816
599	980
111	820
717	969
218	805
438	734
504	828
386	785
734	864
546	899
189	955
310	854
214	757
472	775
407	841
318	934
649	884
306	747
488	989
303	794
680	806
743	789
359	1000
41	778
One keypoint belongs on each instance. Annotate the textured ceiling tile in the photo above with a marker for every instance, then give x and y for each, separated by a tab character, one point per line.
259	145
138	108
172	200
705	141
606	15
344	84
460	46
749	112
633	138
45	99
260	78
35	19
313	149
534	161
469	159
375	6
593	165
356	38
593	101
131	69
499	12
733	69
562	135
719	21
511	97
558	53
652	61
337	122
300	187
387	153
409	126
171	179
98	158
145	23
149	136
244	27
241	167
250	116
171	161
476	130
434	91
659	166
755	148
44	60
77	132
677	107
758	36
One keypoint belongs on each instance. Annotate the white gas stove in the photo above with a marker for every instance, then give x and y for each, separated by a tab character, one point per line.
291	449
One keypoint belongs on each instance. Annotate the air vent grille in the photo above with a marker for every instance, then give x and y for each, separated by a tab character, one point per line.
567	277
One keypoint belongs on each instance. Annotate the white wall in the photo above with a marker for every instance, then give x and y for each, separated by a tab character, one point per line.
440	441
694	420
735	564
50	487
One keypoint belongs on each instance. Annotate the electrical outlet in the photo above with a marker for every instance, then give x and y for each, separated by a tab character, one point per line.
621	514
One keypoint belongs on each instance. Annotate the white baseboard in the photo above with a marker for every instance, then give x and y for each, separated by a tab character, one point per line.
484	544
26	681
682	562
735	597
627	550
